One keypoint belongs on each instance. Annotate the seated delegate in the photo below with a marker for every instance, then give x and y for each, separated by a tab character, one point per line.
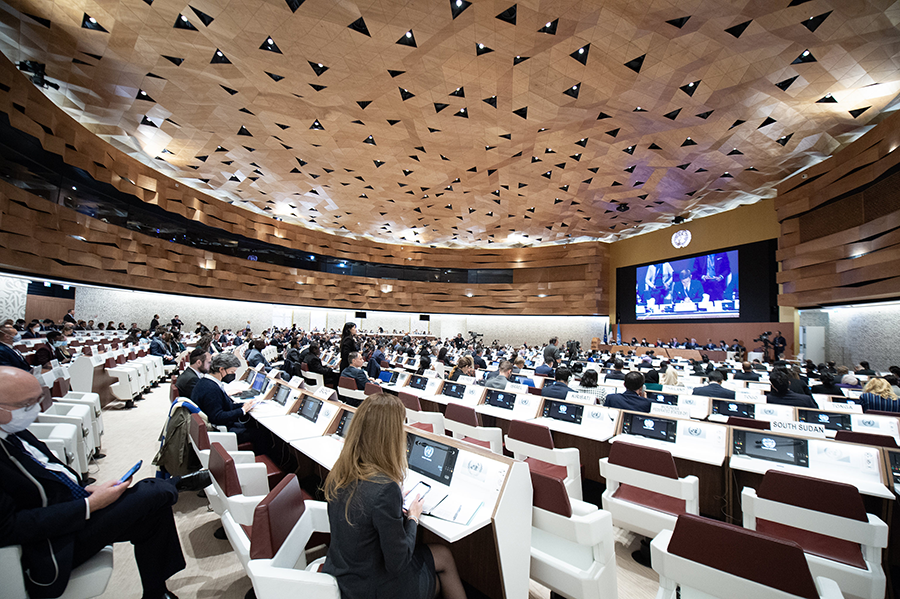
634	397
373	550
355	371
59	523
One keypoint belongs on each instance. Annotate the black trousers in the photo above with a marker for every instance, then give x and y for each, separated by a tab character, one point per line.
143	517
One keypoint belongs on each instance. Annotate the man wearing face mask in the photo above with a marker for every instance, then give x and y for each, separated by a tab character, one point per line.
209	395
61	524
9	356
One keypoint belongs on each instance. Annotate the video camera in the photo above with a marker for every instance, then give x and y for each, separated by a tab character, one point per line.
763	337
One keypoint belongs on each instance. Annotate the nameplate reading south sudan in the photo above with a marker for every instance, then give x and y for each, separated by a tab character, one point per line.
816	431
658	409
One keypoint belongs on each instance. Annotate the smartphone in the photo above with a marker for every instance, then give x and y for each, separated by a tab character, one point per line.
421	488
131	472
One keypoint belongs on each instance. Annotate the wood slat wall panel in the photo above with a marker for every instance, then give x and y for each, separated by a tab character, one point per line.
840	238
37	238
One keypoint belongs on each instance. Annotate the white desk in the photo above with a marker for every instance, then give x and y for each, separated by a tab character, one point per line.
526	407
598	423
703	442
294	427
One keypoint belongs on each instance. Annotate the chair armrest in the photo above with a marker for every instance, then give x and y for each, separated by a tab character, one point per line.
582	508
318	511
269	581
242	507
828	589
243	457
254	479
588	530
228	440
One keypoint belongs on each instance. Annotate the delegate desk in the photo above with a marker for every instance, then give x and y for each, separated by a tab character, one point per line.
477	501
699	449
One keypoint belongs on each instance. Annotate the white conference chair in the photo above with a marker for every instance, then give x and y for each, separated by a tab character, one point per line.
533	444
86	581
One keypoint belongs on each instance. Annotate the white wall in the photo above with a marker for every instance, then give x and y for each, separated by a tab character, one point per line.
13	293
870	333
138	306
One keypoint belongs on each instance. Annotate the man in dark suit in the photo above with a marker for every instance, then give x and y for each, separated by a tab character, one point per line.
686	289
781	392
154	322
9	356
634	397
70	317
747	374
209	395
199	365
616	374
59	523
715	388
176	323
714	271
355	371
546	369
558	389
479	361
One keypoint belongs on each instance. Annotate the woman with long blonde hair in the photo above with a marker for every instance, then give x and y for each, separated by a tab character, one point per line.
373	552
877	395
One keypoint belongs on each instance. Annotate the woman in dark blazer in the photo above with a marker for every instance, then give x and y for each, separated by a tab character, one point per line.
373	552
348	344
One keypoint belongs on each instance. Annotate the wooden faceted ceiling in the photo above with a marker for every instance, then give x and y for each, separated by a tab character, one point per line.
458	122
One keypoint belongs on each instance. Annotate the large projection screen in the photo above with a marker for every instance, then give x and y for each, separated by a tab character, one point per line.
702	287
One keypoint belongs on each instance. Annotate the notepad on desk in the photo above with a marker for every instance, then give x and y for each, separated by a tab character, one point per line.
456	509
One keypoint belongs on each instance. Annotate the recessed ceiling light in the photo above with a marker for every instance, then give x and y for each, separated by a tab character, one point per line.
458	2
806	53
269	41
480	46
218	53
92	20
409	34
581	50
548	24
691	84
184	18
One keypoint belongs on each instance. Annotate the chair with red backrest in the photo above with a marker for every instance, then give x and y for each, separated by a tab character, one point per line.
703	557
762	425
201	440
61	391
372	389
349	392
866	439
432	422
462	422
572	544
236	488
829	521
533	443
273	550
643	492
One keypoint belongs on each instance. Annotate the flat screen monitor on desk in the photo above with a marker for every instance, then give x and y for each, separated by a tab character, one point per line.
664	398
389	378
661	429
456	390
282	394
560	410
430	458
410	361
773	448
309	408
259	383
418	382
831	421
725	407
344	424
500	399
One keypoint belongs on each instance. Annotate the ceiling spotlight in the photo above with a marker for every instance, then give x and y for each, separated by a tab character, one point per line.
481	46
806	53
574	87
184	18
581	50
218	53
542	295
143	93
269	41
518	57
638	108
74	188
320	65
691	84
409	34
689	139
548	24
470	293
458	3
94	21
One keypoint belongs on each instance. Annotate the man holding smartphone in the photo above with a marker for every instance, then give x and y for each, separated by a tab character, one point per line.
59	523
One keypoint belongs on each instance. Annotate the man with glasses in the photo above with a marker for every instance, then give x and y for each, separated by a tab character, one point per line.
10	356
59	523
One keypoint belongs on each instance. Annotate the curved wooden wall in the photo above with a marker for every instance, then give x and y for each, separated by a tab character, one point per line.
37	238
840	224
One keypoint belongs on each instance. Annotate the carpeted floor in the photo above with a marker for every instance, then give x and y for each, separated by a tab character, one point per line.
212	569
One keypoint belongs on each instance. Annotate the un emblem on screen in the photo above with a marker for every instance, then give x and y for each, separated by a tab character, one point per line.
694	431
429	451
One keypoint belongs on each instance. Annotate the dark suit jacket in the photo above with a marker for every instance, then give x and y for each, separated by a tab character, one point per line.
694	292
555	390
10	357
24	521
543	370
714	390
186	382
371	555
827	390
746	376
215	403
789	398
479	362
616	375
629	400
69	318
357	374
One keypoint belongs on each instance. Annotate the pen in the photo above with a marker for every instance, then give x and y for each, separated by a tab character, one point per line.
456	515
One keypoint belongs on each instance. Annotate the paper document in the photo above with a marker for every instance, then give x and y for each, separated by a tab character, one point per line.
456	509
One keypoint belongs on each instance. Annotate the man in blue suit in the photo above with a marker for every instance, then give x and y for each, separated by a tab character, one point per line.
634	397
9	356
558	389
686	289
715	388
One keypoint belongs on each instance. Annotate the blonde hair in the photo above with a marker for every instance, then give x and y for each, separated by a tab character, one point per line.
670	377
879	387
375	445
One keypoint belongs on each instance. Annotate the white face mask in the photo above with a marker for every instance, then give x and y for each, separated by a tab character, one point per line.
21	418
